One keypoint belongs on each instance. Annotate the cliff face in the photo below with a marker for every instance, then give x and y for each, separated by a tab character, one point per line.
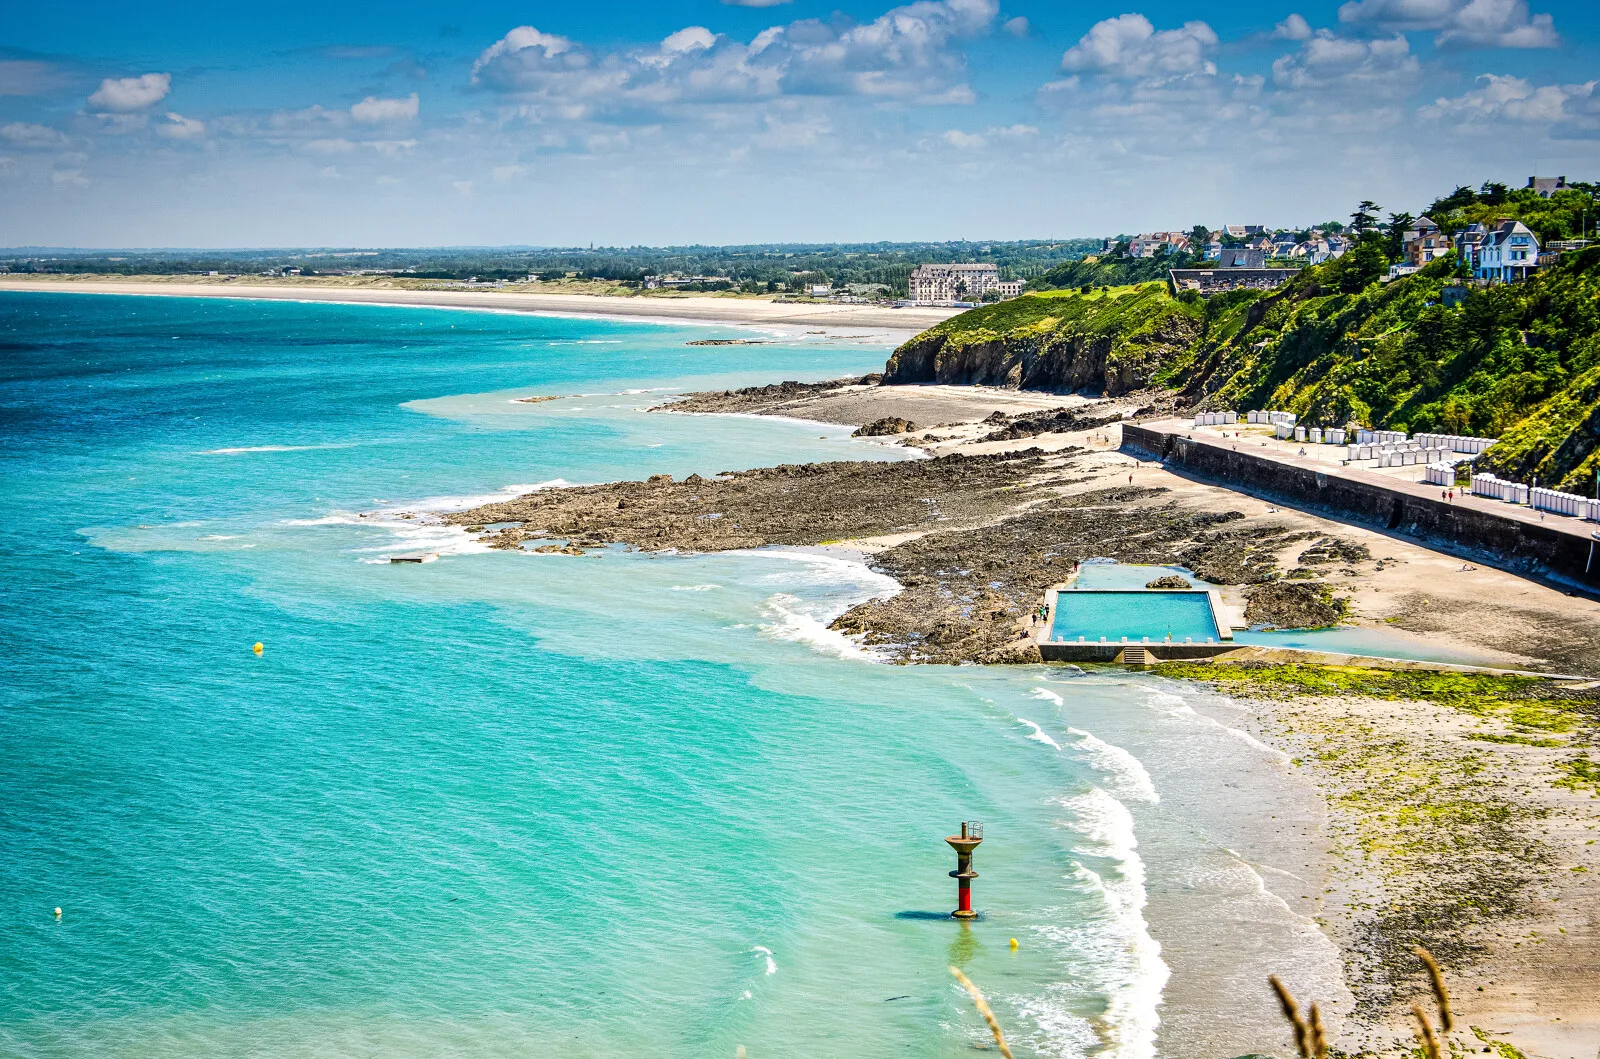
1111	343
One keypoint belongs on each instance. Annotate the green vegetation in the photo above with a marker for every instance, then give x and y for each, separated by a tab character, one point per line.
1474	692
1565	214
1520	362
1110	271
1118	340
1122	312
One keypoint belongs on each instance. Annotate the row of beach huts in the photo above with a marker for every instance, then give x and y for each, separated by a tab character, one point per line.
1437	454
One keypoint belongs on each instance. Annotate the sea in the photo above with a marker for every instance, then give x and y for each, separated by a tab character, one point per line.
622	804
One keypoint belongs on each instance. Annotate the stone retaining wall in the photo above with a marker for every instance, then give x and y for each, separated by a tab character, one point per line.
1471	528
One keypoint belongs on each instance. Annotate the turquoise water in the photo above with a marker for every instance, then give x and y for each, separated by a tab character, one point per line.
520	805
1136	615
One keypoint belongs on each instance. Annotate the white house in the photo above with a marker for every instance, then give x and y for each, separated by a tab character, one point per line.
1507	254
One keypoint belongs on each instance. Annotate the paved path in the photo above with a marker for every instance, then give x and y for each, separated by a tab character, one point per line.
1288	453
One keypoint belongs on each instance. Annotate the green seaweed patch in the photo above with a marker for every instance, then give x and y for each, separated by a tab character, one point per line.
1473	692
1513	737
1580	773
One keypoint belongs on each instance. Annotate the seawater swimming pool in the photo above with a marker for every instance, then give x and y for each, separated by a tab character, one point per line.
1136	615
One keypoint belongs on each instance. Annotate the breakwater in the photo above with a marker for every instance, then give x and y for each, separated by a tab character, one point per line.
1469	528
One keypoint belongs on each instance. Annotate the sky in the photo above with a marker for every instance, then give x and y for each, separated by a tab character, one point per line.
628	123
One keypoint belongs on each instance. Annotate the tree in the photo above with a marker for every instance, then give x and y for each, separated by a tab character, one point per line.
1398	225
1365	218
1493	193
1199	236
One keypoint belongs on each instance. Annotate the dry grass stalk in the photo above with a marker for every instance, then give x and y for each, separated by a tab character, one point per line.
1319	1034
1425	1035
1436	976
983	1009
1291	1011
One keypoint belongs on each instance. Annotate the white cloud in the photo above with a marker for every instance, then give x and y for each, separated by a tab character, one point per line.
27	134
1014	131
1017	27
965	141
1513	99
908	54
1295	27
326	146
374	110
503	173
463	188
131	93
1129	46
178	127
1495	23
1326	60
688	39
69	178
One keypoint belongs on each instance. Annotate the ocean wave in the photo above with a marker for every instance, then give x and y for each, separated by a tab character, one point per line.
1130	777
692	588
792	622
763	951
1047	695
1038	735
1125	947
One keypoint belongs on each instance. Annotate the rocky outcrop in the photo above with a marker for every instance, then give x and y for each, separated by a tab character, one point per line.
885	427
1171	581
1293	605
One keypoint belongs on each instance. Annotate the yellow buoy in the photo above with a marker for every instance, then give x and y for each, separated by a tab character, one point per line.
58	913
258	648
1013	944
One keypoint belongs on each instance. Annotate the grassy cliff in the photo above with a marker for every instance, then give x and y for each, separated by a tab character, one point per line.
1517	362
1115	341
1336	346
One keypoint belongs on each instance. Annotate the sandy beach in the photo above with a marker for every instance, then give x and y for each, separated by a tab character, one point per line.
702	309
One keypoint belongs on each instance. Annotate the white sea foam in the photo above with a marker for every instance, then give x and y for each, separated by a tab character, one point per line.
1038	735
1059	1032
1127	774
1048	696
692	588
762	950
272	448
1124	948
790	621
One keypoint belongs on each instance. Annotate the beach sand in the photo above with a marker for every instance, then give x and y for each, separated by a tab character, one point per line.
704	309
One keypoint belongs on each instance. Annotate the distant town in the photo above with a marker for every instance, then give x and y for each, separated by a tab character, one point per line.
1493	232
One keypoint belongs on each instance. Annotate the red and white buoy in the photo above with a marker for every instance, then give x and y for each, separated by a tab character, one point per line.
971	835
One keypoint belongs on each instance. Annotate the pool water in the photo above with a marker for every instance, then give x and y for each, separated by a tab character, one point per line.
1136	615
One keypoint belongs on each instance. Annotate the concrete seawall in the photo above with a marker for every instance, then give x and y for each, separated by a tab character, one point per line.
1470	528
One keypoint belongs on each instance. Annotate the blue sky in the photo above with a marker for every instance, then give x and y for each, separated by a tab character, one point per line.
631	123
